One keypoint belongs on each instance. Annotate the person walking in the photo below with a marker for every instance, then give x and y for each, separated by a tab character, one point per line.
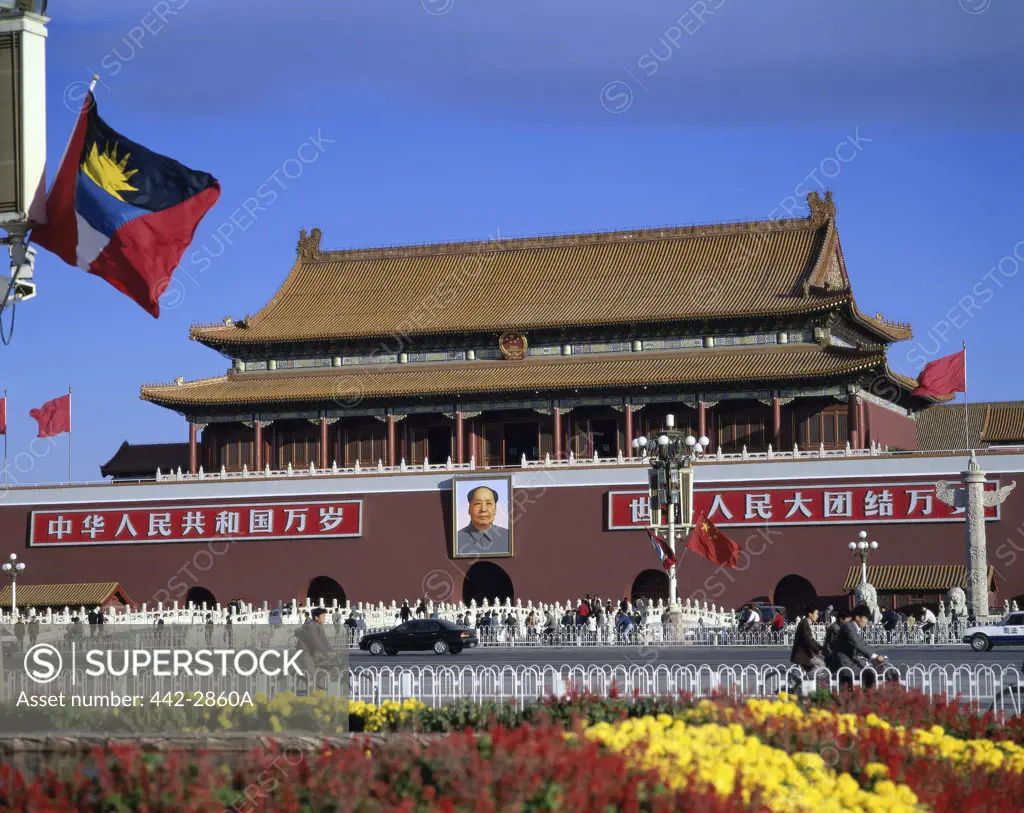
405	613
209	629
33	631
583	611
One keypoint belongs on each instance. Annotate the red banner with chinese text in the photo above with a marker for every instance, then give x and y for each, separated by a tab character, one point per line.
196	523
833	504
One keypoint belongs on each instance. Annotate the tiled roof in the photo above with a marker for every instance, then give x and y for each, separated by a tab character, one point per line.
913	578
1004	423
760	268
63	595
145	458
941	427
688	367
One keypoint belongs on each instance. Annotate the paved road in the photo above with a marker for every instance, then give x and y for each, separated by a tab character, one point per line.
712	656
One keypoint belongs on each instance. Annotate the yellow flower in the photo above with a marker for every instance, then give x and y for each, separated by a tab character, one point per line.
724	759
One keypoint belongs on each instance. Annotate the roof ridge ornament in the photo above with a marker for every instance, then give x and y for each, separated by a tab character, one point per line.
821	211
308	247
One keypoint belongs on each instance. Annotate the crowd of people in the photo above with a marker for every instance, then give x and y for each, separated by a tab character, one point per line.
592	614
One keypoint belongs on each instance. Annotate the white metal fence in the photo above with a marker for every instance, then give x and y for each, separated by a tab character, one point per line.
979	688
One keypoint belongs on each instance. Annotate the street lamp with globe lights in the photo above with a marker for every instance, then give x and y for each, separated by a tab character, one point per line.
671	456
13	568
863	549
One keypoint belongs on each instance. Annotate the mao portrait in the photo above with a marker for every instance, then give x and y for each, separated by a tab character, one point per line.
483	516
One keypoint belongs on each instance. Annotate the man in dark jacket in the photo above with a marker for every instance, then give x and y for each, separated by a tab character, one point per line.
314	646
848	648
806	650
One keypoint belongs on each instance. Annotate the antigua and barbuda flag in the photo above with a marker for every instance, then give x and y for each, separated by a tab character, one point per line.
122	212
668	560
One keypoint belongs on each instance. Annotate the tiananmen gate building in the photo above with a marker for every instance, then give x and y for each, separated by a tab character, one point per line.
374	381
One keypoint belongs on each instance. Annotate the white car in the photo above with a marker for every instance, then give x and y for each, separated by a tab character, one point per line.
1008	631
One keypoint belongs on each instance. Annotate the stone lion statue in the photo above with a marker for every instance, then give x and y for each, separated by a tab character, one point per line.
867	595
957	602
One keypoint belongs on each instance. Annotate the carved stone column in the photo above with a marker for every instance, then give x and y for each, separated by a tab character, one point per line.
973	497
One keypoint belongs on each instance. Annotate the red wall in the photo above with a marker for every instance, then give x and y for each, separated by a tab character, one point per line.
887	428
562	551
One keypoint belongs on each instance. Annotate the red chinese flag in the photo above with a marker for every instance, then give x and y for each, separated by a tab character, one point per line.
943	376
54	416
709	542
3	415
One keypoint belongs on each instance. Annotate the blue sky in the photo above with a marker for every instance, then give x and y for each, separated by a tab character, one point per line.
462	119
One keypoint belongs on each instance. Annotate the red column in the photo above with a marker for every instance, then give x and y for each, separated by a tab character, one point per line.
776	423
862	423
853	421
702	420
391	441
558	433
459	432
257	454
629	431
324	463
193	451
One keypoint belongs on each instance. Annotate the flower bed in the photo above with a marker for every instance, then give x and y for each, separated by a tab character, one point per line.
884	751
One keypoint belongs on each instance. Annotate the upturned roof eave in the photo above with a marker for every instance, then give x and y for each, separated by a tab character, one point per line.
164	394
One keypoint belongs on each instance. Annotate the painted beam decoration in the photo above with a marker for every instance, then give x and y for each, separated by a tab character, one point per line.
157	524
813	504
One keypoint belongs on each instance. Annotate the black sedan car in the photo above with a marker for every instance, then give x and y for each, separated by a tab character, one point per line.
420	636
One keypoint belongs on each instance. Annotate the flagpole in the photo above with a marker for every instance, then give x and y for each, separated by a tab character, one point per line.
967	417
69	435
